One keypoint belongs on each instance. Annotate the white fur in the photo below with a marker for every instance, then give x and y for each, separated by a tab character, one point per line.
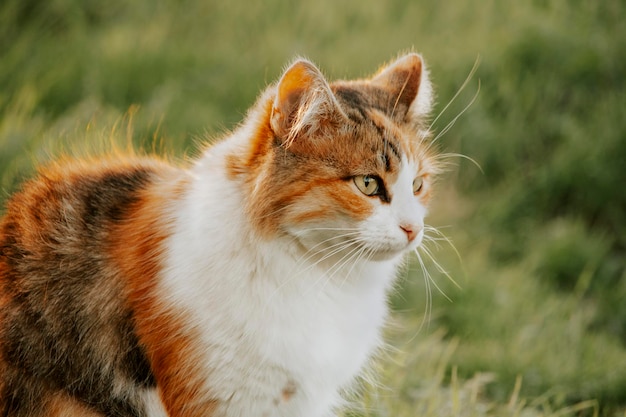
272	317
422	105
154	406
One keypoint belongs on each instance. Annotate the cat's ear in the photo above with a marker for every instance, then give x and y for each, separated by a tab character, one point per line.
406	80
304	102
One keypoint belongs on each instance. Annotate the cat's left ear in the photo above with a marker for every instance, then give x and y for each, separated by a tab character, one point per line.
304	103
406	80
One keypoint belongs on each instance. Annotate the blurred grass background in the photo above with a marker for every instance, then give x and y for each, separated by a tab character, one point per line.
539	325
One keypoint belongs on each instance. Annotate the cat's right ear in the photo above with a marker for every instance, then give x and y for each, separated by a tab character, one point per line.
407	81
304	103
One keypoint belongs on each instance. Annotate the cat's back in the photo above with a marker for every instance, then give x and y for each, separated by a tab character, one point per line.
72	199
65	322
70	210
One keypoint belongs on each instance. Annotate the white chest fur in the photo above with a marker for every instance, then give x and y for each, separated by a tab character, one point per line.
280	336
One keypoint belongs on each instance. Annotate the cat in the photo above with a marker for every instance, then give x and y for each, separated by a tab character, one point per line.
252	282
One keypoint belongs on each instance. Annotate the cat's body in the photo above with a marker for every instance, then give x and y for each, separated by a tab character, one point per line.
251	284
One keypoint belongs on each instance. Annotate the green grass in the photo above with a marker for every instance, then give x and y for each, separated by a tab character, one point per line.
539	326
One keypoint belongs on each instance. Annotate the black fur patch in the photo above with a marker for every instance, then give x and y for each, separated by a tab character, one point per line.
65	326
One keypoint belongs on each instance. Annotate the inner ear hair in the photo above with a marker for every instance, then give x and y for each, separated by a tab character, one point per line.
304	102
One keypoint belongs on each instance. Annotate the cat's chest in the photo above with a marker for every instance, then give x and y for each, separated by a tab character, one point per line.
316	347
319	331
280	336
305	344
305	321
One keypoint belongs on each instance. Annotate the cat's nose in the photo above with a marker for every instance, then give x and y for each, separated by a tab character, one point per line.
411	230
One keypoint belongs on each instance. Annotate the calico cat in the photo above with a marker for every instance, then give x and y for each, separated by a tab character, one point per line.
251	283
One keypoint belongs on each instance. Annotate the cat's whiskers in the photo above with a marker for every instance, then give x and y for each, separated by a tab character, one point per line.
432	235
315	229
441	237
430	256
355	242
429	298
327	276
449	155
454	120
310	253
465	83
354	254
334	249
366	253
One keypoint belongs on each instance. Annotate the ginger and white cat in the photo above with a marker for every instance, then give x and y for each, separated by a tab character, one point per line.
251	283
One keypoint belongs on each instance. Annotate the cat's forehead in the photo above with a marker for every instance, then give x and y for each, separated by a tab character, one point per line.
384	142
359	97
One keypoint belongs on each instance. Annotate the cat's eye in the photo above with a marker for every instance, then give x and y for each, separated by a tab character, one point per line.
367	184
418	183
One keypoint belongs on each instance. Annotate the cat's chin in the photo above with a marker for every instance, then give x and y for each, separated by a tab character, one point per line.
384	256
391	254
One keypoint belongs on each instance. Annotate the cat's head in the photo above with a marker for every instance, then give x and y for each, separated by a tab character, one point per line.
342	168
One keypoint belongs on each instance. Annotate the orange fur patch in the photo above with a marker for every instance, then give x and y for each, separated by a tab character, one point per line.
259	144
137	247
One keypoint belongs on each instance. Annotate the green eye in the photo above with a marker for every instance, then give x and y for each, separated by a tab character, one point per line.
417	185
367	184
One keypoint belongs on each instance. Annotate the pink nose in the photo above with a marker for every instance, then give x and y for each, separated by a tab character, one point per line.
411	231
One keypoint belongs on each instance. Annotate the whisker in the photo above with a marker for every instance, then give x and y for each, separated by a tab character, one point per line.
351	242
440	269
434	242
334	248
453	121
353	231
345	259
460	155
314	229
447	240
434	283
429	303
345	245
339	264
465	83
357	258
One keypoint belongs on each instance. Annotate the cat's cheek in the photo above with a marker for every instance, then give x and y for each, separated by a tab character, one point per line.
382	236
